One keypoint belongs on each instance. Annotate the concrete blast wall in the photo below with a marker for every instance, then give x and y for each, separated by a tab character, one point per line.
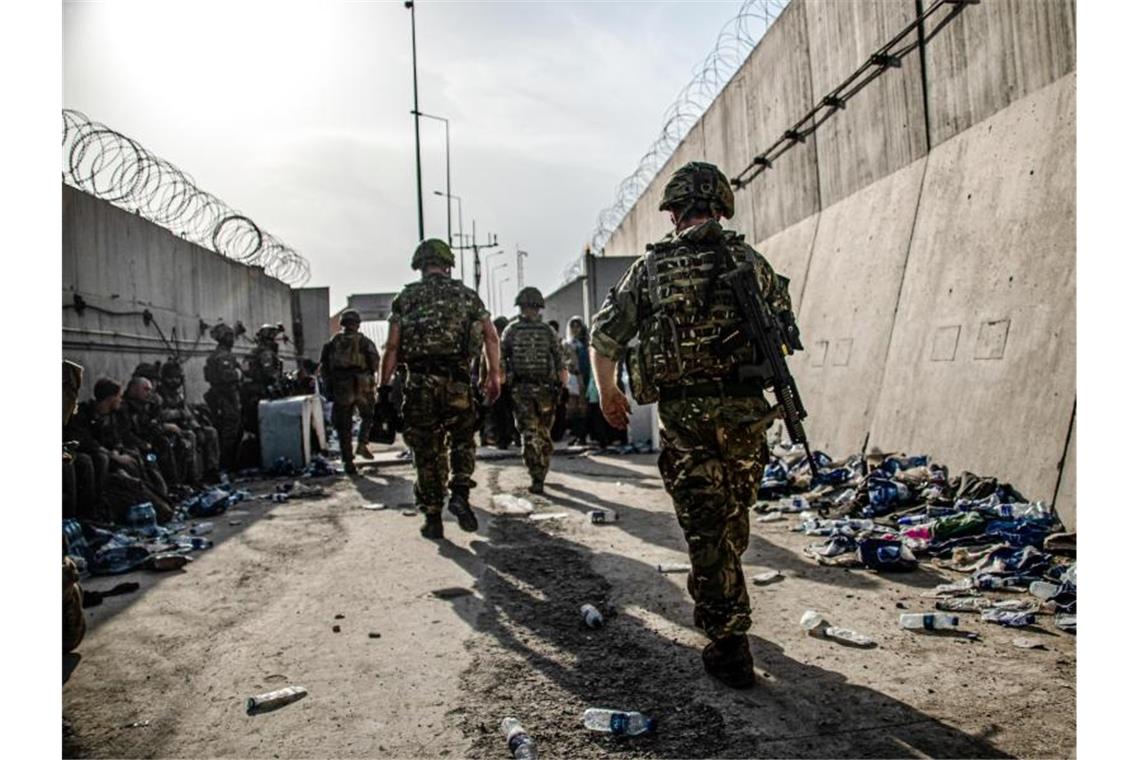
119	262
928	229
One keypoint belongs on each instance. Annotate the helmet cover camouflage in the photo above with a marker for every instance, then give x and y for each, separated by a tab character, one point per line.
349	316
433	251
530	296
699	181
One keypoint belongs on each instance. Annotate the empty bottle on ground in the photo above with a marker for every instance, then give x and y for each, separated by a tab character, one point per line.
519	743
929	621
591	617
617	722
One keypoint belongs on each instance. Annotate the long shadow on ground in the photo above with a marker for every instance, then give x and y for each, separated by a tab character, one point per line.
534	660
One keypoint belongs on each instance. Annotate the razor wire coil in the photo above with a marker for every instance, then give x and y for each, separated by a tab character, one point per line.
734	44
109	165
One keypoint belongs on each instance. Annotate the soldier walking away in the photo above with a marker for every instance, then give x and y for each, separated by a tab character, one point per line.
713	419
578	362
349	363
532	355
429	334
223	373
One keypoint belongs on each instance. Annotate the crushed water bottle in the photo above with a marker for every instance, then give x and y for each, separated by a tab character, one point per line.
591	617
928	621
617	722
991	582
600	516
201	529
1009	618
519	743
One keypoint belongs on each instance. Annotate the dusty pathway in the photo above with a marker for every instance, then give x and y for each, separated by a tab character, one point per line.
257	612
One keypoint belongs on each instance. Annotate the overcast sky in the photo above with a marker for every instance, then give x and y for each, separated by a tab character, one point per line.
297	114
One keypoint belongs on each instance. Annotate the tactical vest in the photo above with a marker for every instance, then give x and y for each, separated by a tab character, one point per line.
348	353
222	369
530	356
681	339
435	324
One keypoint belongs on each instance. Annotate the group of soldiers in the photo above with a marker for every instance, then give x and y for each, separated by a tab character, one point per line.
676	324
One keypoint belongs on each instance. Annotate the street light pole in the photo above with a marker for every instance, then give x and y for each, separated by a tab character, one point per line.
492	292
447	155
489	284
416	110
519	256
450	239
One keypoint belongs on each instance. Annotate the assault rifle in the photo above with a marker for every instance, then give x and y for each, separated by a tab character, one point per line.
774	337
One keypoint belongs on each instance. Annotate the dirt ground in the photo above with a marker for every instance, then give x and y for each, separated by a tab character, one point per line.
485	625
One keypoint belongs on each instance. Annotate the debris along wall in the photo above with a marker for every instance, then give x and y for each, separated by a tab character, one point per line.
120	264
928	228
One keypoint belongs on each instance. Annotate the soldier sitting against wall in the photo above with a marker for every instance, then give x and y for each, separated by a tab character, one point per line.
124	476
175	449
173	409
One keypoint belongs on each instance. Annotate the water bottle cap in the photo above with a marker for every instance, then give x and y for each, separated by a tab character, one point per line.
650	724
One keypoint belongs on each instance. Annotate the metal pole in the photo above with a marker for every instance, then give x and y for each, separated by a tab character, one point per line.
447	148
416	106
462	253
491	292
478	268
519	256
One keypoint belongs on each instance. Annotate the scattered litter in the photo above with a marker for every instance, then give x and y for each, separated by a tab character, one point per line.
451	592
1009	618
769	517
138	724
672	567
376	506
263	703
508	504
591	617
373	635
964	604
336	629
519	743
548	516
1027	644
1066	623
168	561
235	522
617	722
409	512
766	577
928	621
816	625
603	515
201	529
338	616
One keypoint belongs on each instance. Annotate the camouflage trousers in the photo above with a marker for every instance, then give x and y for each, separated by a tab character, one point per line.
713	452
352	394
209	448
439	428
534	408
225	408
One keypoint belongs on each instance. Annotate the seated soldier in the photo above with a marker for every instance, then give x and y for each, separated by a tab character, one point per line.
173	409
123	475
175	450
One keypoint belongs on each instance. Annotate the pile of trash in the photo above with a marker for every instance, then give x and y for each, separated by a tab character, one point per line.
887	512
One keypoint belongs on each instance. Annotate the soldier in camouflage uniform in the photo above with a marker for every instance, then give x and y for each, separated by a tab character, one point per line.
264	373
713	420
174	409
223	373
429	334
536	373
349	363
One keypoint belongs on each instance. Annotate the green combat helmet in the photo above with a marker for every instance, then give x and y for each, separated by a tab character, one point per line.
530	296
698	181
222	331
349	316
433	251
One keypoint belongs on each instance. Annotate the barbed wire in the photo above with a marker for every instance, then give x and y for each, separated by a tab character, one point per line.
109	165
734	43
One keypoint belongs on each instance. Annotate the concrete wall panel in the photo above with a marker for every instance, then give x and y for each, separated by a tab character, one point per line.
789	251
981	367
992	54
778	82
848	307
119	262
883	128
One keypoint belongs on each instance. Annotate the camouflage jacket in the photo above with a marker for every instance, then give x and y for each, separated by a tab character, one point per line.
531	351
349	354
265	370
434	316
222	369
668	300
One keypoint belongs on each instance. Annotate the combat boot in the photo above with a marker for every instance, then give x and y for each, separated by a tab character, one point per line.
363	452
730	660
349	467
433	526
458	506
536	487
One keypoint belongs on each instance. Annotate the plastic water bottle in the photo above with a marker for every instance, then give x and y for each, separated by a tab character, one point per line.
929	621
617	722
591	617
197	543
1044	589
991	582
599	516
202	529
519	742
